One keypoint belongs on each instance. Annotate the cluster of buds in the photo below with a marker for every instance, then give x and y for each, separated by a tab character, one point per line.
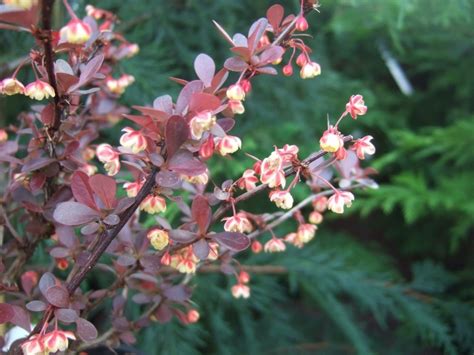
107	155
118	86
303	235
241	289
236	94
57	340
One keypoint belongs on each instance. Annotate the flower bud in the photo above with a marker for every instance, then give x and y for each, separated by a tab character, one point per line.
340	199
75	32
238	223
310	70
248	180
246	85
244	277
315	217
62	263
274	245
240	290
112	167
34	345
228	145
356	106
331	140
153	204
133	140
235	92
201	123
57	340
39	90
340	154
256	247
159	238
11	86
106	154
3	136
288	70
166	259
132	188
306	232
201	179
207	148
301	24
282	199
320	204
302	59
192	316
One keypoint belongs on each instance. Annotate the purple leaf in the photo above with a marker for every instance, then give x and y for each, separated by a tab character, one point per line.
66	315
169	179
86	330
74	213
6	313
178	293
82	190
274	15
181	235
36	306
256	32
186	93
201	213
112	219
232	240
271	54
226	123
66	235
36	164
163	314
90	228
57	296
201	101
164	103
267	70
235	64
201	249
21	318
176	133
205	68
141	298
104	187
46	281
126	260
183	162
59	252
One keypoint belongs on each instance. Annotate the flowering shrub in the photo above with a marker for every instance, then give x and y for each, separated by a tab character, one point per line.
55	190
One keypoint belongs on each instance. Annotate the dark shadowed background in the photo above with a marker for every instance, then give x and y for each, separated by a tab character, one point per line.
394	275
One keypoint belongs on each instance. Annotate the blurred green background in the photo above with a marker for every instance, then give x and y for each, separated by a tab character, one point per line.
395	274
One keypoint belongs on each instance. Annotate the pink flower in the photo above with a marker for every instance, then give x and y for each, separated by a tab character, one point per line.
244	277
184	261
238	223
301	24
288	153
132	188
320	204
133	140
107	155
33	346
302	59
271	171
240	290
356	106
3	136
201	123
11	86
274	245
340	199
153	204
228	145
363	146
282	199
341	153
248	180
306	232
76	32
200	179
331	140
236	106
39	90
310	70
207	148
235	92
294	239
256	246
57	340
23	4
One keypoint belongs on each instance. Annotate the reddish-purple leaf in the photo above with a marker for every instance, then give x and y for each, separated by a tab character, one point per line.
201	213
181	235
21	318
163	314
46	281
89	71
104	187
183	162
36	306
126	260
205	68
66	315
141	298
59	252
219	79
81	189
86	330
74	214
178	293
274	15
256	32
232	240
201	101
267	70
36	164
47	115
66	235
226	123
186	93
57	296
169	179
176	133
112	219
271	54
164	103
201	249
6	313
90	228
